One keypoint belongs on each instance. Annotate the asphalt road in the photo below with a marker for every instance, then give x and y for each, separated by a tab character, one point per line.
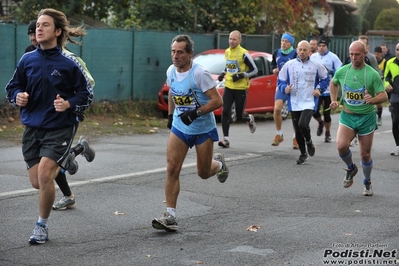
304	215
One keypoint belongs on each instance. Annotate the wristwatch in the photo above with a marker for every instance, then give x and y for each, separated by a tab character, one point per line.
199	113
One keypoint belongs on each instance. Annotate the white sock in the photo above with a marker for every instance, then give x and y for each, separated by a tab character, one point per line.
226	138
279	132
293	136
172	211
42	220
220	165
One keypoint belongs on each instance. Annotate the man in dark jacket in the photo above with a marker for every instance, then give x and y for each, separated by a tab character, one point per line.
51	98
32	36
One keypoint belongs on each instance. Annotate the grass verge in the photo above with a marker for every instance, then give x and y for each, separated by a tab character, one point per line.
102	119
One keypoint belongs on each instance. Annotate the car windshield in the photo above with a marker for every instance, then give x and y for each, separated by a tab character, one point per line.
214	63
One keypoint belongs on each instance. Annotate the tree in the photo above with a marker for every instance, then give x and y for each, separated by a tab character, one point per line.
255	16
374	8
388	19
226	15
345	24
296	16
26	10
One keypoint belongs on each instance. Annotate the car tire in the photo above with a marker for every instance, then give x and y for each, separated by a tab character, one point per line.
284	111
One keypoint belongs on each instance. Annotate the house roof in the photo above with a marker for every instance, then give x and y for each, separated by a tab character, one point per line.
350	6
383	32
87	22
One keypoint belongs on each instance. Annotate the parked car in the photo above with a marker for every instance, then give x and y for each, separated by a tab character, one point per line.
262	88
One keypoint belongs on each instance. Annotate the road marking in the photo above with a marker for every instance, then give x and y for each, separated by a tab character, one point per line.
116	177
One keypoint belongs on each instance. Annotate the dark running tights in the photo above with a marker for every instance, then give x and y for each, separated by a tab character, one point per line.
301	121
63	184
395	122
325	101
239	97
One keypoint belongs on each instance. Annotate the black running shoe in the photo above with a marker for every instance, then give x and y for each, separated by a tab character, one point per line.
320	128
311	149
302	159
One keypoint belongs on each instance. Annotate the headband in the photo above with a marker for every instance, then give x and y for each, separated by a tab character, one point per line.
289	37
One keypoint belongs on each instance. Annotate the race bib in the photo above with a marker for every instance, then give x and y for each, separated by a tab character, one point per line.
354	96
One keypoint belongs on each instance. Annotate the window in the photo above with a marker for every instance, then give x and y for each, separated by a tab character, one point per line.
259	62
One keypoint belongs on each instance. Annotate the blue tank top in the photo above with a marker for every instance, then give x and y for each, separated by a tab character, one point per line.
282	58
188	96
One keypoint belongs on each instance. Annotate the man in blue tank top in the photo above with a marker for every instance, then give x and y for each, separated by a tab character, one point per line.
192	99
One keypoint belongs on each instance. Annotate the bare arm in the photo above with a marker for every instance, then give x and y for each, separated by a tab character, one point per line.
215	101
171	104
333	94
377	99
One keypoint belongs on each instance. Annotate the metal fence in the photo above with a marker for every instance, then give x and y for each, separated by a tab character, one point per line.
132	64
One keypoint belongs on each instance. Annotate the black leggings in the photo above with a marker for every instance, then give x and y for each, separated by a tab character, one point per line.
395	122
301	121
239	97
63	184
326	101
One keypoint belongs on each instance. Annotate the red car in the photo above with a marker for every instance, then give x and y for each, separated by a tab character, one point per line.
262	88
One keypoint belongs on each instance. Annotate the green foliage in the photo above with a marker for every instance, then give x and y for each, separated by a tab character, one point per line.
294	16
375	7
27	10
227	15
388	19
165	14
202	16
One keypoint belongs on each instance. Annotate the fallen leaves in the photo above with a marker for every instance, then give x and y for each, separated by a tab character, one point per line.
253	228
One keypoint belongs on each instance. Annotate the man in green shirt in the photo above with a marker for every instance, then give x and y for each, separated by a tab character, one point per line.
362	89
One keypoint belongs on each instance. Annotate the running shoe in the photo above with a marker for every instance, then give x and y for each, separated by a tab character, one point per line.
223	174
224	144
311	148
348	181
39	234
395	152
65	203
302	159
320	128
166	222
368	190
354	142
277	140
71	165
251	123
295	145
327	137
88	151
379	123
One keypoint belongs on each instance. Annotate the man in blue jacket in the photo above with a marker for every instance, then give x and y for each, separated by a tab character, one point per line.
52	89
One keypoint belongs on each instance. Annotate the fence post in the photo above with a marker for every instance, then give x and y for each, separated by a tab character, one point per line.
216	39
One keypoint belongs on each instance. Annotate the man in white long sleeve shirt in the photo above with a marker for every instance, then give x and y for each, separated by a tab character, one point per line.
304	81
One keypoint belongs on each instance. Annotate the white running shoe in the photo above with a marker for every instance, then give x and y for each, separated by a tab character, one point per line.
395	152
251	123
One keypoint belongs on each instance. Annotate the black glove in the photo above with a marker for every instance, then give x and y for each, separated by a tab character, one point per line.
188	117
221	76
81	116
238	76
170	120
